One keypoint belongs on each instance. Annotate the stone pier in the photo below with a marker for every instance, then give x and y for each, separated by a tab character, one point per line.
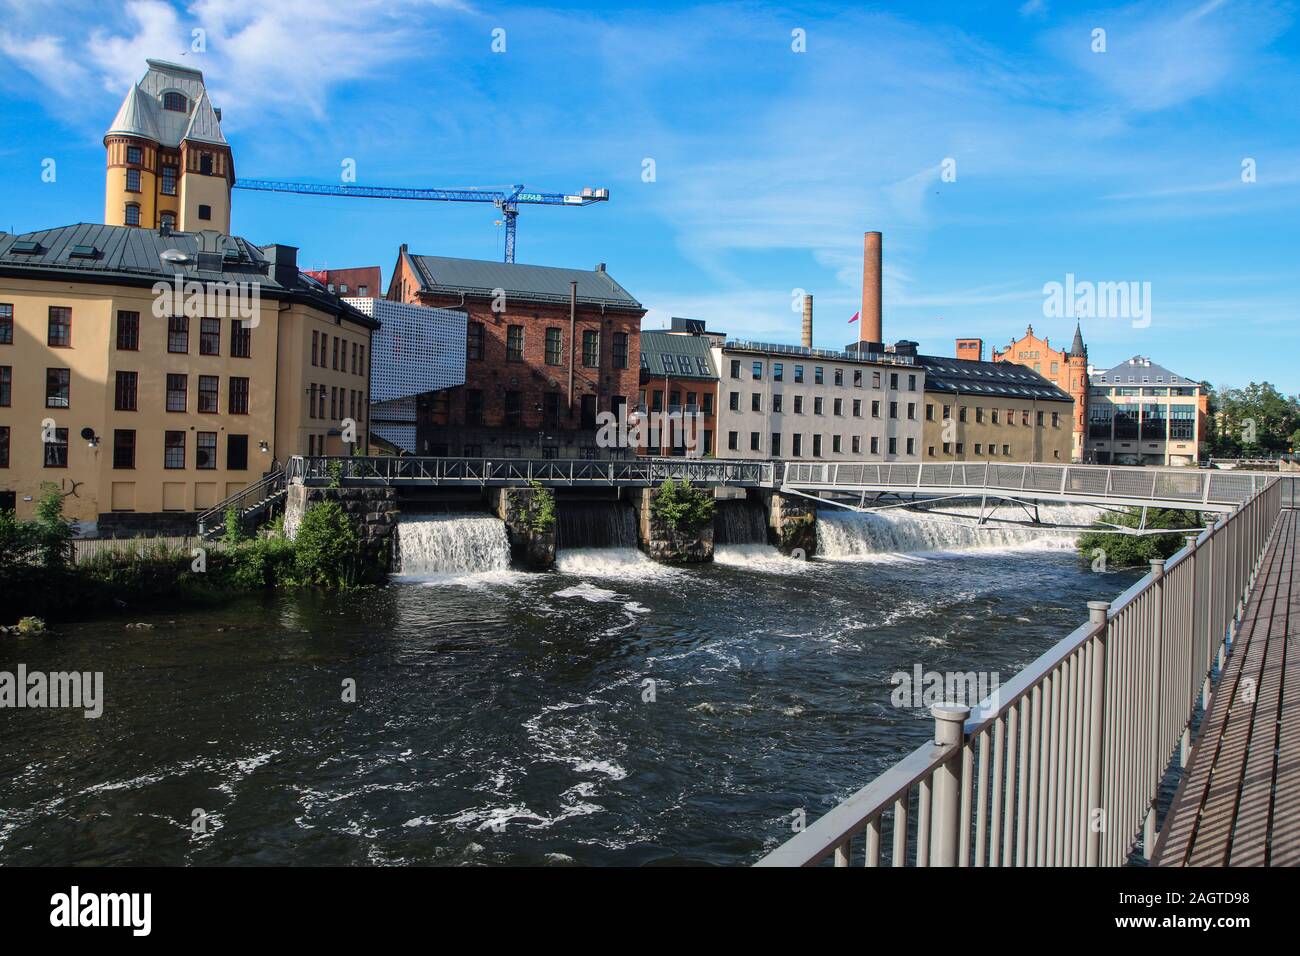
791	522
534	550
665	544
373	511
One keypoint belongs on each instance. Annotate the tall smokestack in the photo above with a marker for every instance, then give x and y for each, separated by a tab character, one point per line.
870	327
807	321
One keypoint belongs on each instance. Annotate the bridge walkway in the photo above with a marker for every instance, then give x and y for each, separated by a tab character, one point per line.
1239	801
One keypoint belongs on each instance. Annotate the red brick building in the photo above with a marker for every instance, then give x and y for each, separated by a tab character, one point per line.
1066	369
363	282
543	356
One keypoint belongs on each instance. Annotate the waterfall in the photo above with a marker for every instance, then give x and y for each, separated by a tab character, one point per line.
595	524
451	544
739	522
847	534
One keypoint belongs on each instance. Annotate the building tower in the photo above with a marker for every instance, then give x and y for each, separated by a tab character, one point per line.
168	163
1067	370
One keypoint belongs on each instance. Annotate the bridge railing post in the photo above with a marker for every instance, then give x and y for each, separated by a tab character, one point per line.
1097	730
945	819
1157	661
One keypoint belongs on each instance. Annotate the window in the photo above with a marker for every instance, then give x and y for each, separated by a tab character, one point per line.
176	102
798	404
995	416
238	404
979	448
735	368
707	408
857	408
838	406
474	341
60	329
6	385
56	452
132	215
591	348
334	401
473	406
778	370
177	387
1056	420
241	340
514	408
893	409
733	401
205	212
893	380
839	377
208	385
754	443
236	452
554	347
817	405
733	441
205	451
550	410
4	446
911	383
6	324
835	444
124	391
961	413
361	359
1024	418
911	411
128	331
167	221
174	449
776	444
133	181
929	412
857	444
315	344
979	414
515	343
56	388
817	446
875	408
134	154
123	448
796	446
355	358
178	333
335	358
875	445
893	446
875	380
320	401
758	371
209	336
755	402
817	376
798	374
857	378
1039	420
169	180
205	164
911	446
1006	449
776	403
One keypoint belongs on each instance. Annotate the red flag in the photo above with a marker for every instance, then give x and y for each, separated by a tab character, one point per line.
856	316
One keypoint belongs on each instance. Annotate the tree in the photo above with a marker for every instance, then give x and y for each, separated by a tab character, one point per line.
1257	420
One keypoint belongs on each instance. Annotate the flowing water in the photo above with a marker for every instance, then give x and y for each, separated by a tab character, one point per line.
613	711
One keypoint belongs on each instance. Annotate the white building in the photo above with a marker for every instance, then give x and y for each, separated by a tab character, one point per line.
785	401
416	350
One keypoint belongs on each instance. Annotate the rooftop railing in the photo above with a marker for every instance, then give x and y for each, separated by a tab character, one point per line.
878	358
1061	766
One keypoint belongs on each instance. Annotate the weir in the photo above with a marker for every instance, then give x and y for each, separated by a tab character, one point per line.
847	534
739	521
450	544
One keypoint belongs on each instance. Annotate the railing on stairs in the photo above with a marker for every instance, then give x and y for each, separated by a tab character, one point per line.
249	502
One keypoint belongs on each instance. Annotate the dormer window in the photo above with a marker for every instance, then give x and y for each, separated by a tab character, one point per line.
176	101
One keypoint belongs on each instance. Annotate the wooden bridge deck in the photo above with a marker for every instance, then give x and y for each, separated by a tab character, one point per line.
1239	802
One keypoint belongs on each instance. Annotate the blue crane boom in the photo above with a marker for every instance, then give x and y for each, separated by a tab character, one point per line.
508	200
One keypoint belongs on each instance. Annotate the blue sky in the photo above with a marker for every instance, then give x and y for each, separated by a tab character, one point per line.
1122	165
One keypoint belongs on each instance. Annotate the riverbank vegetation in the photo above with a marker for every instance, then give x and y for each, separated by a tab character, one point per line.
1125	550
40	577
683	507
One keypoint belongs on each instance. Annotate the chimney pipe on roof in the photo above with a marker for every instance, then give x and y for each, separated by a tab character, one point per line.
807	321
870	327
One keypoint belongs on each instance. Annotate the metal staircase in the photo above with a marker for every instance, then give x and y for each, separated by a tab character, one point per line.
251	502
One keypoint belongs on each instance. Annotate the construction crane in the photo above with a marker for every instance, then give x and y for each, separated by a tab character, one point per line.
508	200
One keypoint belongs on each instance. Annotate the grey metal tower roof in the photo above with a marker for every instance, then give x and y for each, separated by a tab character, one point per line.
1077	349
142	113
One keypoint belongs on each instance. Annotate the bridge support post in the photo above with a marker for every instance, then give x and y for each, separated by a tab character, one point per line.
945	827
1153	731
791	522
1096	732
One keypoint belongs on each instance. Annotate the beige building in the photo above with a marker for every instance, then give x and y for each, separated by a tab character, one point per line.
1142	413
148	376
169	166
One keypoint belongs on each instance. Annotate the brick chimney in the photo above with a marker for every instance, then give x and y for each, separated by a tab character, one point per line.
972	349
870	327
807	321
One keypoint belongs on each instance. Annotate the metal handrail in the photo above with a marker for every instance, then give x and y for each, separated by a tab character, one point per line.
1063	764
262	488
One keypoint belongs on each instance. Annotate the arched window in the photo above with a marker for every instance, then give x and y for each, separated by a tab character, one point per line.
167	220
176	101
132	214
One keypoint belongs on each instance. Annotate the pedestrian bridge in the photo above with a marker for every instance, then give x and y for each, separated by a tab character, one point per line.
861	485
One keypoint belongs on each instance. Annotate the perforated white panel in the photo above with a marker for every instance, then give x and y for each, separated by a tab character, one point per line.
416	350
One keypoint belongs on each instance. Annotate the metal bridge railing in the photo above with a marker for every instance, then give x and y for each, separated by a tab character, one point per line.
1087	482
509	471
1061	767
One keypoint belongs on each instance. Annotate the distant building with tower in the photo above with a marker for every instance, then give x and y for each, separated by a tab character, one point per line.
169	166
1067	370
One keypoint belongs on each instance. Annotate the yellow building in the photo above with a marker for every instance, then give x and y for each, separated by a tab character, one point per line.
169	166
149	375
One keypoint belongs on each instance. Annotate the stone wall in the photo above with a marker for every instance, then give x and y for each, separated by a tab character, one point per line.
664	544
373	512
792	522
530	549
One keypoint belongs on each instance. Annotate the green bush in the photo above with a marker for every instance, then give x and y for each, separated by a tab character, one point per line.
1124	550
53	531
682	507
327	548
539	514
232	526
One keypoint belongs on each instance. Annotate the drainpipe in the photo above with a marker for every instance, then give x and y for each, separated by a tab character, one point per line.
573	344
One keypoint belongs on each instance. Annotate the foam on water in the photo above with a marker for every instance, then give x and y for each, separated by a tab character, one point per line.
456	544
846	534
